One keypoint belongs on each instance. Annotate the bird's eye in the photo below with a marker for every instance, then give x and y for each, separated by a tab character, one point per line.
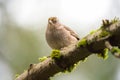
54	21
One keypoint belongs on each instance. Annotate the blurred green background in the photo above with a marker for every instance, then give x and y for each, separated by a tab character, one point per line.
22	35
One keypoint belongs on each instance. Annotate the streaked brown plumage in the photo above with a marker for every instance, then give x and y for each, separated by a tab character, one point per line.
58	35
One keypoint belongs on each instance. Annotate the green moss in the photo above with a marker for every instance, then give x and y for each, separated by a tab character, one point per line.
42	59
93	31
115	50
64	65
104	34
70	68
58	58
105	52
83	60
104	55
55	54
17	75
83	42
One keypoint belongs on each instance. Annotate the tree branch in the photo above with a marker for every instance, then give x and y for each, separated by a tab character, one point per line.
93	43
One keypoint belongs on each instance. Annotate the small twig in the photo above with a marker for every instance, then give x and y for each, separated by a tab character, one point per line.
108	45
114	50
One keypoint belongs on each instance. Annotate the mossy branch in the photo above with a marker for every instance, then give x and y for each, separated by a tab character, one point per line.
107	37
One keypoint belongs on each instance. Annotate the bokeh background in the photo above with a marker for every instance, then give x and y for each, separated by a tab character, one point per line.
22	35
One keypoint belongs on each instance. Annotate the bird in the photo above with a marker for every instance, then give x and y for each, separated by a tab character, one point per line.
58	35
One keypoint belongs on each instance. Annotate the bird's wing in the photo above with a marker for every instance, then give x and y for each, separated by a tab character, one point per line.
72	33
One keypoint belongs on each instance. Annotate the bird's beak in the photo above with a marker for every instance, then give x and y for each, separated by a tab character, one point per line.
50	21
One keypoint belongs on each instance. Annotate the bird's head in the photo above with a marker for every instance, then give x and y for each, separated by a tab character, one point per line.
53	20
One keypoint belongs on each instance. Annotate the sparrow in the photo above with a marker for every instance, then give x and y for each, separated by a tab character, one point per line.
58	35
